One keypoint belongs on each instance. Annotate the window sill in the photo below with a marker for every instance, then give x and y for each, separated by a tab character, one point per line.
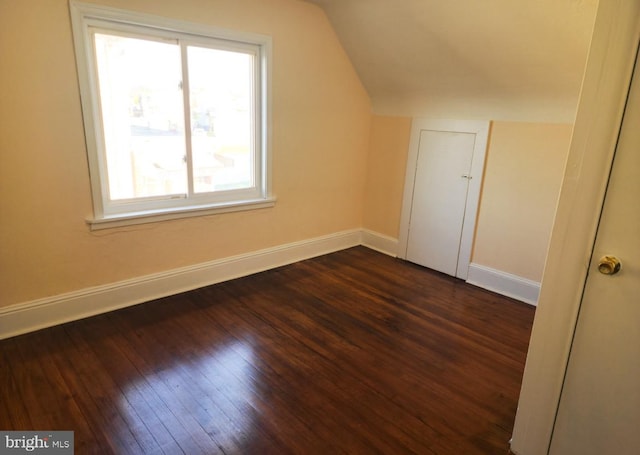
154	216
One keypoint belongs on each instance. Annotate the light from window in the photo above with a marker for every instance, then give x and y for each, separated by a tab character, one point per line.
175	119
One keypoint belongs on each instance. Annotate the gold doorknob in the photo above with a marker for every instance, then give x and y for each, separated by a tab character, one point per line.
609	265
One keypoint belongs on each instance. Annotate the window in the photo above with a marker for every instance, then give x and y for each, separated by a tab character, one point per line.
175	116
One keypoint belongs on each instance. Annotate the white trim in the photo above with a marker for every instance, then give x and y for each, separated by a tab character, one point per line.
481	130
504	283
152	216
380	242
50	311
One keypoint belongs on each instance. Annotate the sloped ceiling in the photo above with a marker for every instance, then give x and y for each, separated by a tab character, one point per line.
491	59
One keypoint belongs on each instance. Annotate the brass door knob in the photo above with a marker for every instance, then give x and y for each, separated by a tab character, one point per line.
609	265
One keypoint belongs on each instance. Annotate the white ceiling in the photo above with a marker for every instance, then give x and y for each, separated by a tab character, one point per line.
492	59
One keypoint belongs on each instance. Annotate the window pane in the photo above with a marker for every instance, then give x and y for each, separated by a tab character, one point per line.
142	114
221	91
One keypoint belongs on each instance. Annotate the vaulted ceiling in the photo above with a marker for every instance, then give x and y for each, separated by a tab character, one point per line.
492	59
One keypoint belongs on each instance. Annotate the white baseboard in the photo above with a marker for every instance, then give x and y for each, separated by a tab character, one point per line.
504	283
380	242
38	314
50	311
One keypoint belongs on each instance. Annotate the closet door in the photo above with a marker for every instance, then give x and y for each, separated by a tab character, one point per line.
442	188
599	411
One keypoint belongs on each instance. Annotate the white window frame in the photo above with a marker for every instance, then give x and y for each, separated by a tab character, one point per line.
107	213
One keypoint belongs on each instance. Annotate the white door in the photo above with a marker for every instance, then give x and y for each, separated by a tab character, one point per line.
439	199
444	173
599	411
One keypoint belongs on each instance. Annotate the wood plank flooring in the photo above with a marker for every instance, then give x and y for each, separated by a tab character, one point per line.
353	352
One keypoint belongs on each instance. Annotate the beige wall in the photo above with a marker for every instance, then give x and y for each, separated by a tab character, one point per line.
524	169
388	145
321	117
335	167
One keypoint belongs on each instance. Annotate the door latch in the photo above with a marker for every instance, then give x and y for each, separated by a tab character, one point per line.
609	265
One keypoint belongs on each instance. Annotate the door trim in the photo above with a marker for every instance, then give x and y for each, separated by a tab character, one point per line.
604	90
481	129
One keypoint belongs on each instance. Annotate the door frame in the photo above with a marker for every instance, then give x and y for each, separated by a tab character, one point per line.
597	332
481	129
605	86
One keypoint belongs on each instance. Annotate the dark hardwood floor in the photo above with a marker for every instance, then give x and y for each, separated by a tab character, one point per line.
353	352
